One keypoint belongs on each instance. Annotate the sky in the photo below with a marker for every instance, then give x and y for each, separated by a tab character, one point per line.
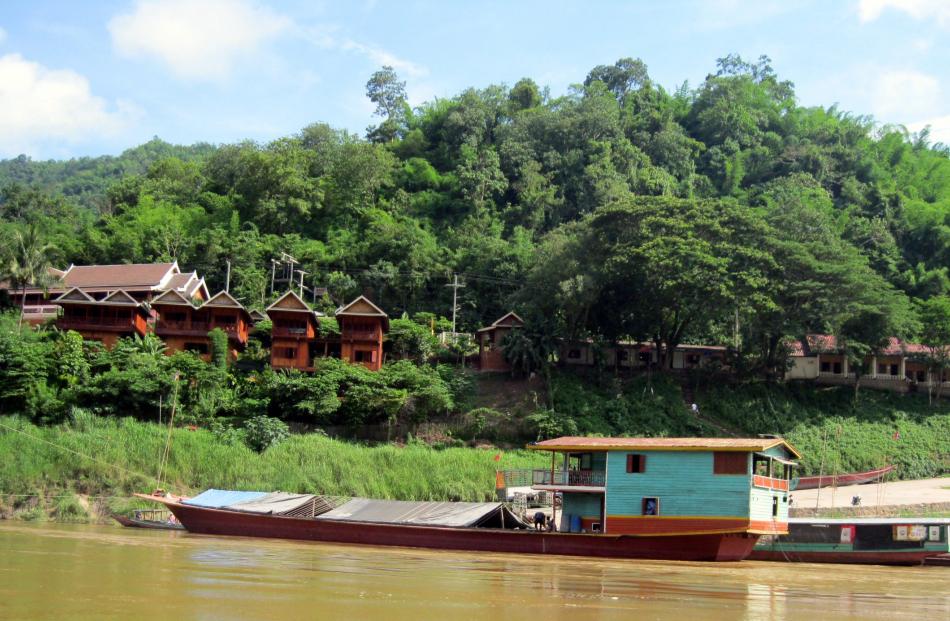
92	78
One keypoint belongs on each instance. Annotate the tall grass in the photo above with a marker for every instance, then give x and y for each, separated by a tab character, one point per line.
835	433
121	456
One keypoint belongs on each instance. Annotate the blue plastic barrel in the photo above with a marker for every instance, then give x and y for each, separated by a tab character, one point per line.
575	523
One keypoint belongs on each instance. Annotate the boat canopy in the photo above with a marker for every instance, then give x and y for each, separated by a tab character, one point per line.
450	514
221	498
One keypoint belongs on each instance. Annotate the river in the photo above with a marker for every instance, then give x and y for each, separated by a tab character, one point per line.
57	571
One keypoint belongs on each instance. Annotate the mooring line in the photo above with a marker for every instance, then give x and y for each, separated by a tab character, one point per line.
69	450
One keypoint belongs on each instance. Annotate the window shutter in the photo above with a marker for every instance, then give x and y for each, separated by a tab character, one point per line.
630	459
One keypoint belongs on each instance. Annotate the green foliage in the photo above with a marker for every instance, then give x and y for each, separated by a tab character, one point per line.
263	432
219	348
411	340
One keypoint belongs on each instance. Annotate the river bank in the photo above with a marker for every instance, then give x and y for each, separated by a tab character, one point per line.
80	471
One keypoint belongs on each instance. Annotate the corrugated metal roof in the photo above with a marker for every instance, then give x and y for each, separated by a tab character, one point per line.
661	444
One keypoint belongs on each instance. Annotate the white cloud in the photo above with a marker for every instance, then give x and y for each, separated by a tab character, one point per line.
41	106
197	39
939	128
383	57
936	10
899	96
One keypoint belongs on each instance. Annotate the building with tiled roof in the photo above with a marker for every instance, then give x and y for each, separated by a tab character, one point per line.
141	281
898	366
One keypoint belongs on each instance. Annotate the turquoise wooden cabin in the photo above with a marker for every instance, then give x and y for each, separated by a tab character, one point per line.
669	486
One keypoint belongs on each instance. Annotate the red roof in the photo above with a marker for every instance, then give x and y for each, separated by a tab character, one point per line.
118	276
828	344
662	444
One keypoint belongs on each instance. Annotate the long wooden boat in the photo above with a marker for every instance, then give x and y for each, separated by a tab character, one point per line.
839	480
158	519
711	546
690	499
876	541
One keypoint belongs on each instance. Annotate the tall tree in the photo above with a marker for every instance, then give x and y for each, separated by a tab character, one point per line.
389	94
28	264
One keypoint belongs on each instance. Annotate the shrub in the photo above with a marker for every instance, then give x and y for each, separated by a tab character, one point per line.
262	432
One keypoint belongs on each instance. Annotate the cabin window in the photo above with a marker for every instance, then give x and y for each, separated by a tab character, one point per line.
198	348
651	505
636	463
882	369
574	354
361	355
226	320
895	369
730	463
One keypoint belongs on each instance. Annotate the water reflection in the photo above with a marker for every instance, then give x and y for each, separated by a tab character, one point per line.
95	572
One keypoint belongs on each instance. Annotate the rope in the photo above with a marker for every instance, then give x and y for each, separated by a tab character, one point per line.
74	452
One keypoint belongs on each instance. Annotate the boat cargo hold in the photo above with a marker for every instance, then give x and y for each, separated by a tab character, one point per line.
697	499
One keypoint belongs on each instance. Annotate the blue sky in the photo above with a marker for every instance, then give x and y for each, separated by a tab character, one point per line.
89	78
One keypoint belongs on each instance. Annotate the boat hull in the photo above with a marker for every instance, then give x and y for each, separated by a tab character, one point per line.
848	557
680	547
840	480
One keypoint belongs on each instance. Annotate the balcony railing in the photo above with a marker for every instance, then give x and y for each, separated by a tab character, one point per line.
95	322
291	332
570	478
360	335
770	482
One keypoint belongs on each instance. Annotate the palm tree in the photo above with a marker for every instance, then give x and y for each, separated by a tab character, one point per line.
28	265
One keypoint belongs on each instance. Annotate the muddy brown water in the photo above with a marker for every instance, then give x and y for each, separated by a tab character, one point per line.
55	571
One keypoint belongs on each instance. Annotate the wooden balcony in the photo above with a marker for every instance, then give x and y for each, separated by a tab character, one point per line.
111	324
361	335
194	328
569	478
770	483
286	332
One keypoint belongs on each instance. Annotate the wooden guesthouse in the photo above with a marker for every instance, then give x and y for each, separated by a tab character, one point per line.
106	320
362	326
185	326
294	327
490	354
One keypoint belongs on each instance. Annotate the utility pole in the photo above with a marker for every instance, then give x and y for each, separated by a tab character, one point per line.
301	272
455	291
273	269
227	279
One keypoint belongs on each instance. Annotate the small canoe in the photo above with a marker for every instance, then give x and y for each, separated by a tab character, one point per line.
840	480
149	518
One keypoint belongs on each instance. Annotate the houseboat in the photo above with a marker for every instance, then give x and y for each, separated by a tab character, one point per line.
872	541
691	499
